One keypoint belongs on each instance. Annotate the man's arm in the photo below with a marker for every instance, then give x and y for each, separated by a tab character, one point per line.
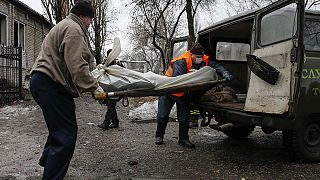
220	70
179	67
77	55
218	67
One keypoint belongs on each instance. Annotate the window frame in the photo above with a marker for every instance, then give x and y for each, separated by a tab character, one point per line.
313	20
230	43
6	28
24	33
272	11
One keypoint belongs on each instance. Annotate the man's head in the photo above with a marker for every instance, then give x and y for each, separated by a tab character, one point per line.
197	53
84	10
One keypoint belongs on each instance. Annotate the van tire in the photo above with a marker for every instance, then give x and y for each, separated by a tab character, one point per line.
304	144
239	132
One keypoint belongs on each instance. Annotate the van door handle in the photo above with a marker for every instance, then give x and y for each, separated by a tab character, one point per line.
293	55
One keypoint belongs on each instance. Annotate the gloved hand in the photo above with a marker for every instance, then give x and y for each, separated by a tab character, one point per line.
227	76
99	94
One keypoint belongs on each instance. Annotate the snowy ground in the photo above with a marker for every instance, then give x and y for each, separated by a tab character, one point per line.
129	152
148	110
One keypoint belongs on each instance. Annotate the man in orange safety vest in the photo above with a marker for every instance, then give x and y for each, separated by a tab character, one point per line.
192	59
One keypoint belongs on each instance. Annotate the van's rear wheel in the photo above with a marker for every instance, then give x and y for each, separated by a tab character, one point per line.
304	143
239	132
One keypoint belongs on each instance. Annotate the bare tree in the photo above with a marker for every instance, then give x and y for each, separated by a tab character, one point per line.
102	27
192	7
190	19
156	19
312	3
56	10
161	21
239	6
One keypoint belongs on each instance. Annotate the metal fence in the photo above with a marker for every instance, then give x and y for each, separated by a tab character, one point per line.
10	75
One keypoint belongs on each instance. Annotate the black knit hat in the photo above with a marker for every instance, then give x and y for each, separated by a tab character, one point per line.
197	49
83	7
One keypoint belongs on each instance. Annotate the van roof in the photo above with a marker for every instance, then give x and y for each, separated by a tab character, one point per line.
312	12
246	15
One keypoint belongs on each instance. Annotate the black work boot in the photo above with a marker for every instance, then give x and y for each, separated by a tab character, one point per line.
42	161
113	115
161	128
104	125
183	135
106	122
114	124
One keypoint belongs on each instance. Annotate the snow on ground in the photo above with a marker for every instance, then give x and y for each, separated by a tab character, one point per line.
148	111
16	110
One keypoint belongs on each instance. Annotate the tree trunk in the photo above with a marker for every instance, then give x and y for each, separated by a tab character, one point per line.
191	38
58	11
97	44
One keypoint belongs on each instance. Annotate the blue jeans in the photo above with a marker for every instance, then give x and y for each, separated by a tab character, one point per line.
58	108
165	104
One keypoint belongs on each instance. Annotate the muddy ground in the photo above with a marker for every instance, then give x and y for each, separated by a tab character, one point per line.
130	153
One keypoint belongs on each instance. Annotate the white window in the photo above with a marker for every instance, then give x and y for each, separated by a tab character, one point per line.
232	51
179	48
3	30
19	31
312	35
279	25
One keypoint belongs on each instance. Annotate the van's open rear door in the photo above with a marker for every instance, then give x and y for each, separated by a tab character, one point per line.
278	35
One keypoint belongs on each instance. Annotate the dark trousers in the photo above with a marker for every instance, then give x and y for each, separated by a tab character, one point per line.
59	113
195	98
165	104
111	115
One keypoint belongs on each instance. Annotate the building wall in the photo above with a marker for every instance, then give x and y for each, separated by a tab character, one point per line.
35	29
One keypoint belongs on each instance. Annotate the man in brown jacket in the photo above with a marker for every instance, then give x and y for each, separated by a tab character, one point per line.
59	74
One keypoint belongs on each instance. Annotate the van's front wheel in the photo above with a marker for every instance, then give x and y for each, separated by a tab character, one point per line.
304	143
239	132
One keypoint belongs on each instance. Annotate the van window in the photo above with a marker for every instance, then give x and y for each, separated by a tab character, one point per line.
232	51
312	35
279	25
179	48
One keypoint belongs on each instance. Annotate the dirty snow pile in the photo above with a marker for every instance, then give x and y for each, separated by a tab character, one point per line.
10	111
149	111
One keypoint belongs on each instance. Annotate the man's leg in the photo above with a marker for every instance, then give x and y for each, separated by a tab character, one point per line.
195	109
165	104
59	112
107	119
194	116
114	116
45	152
183	110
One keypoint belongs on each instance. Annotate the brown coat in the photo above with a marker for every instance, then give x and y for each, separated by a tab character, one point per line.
65	56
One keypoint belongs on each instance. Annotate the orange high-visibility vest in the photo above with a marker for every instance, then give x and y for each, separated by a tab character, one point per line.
187	57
